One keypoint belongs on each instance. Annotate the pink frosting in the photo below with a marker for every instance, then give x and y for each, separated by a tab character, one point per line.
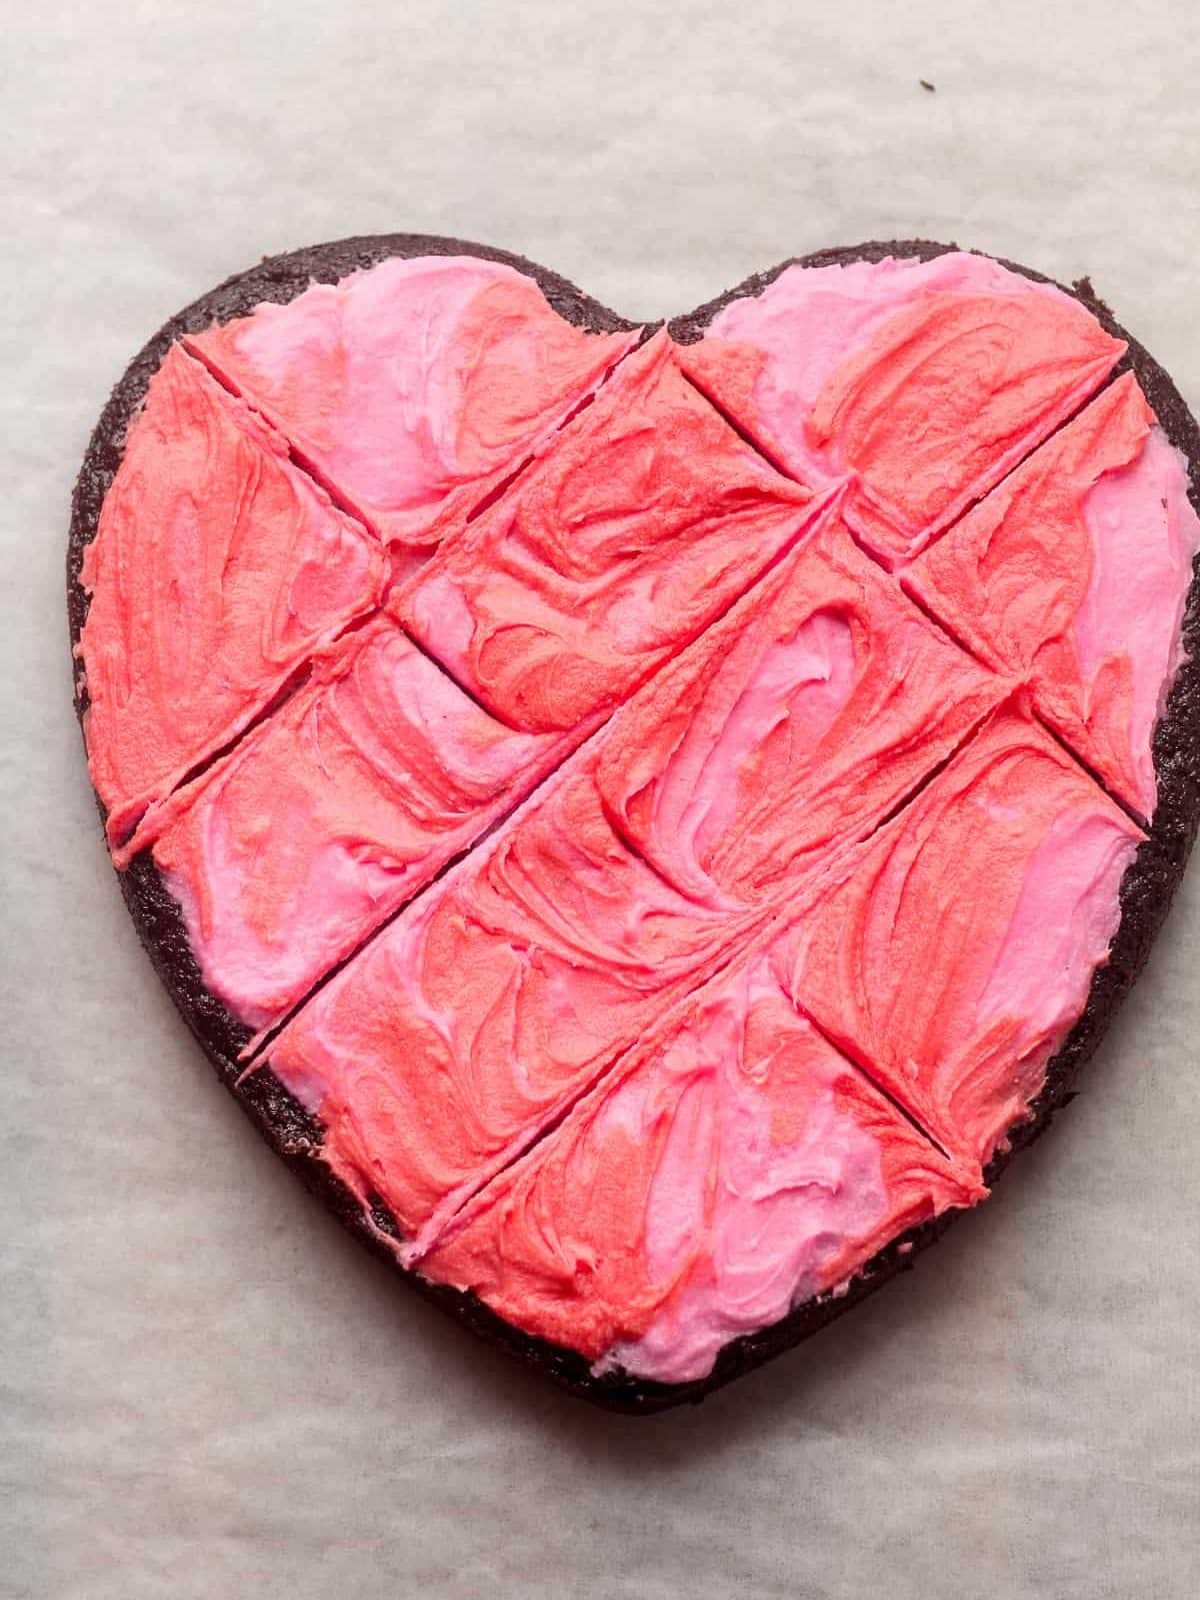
1074	574
1144	535
790	728
216	572
645	521
1064	918
413	387
733	1166
924	382
952	954
334	813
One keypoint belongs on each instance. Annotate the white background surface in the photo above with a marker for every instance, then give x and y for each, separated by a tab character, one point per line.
208	1390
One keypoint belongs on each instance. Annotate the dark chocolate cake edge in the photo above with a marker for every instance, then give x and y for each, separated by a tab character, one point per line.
295	1135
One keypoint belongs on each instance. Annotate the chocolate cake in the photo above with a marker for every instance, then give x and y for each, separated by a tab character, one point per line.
645	820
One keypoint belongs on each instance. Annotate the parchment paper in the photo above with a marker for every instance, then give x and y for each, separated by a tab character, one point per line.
208	1391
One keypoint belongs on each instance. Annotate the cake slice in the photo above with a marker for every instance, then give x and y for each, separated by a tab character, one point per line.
412	387
730	1170
951	956
216	572
1073	575
920	382
644	522
332	814
791	729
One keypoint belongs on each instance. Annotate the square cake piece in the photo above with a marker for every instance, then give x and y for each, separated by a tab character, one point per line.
1072	575
920	383
646	519
951	955
334	813
217	570
730	1168
414	387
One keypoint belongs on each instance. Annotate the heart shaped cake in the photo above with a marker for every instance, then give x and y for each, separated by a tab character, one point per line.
646	820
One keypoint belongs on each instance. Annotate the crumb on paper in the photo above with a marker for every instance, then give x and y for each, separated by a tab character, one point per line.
925	84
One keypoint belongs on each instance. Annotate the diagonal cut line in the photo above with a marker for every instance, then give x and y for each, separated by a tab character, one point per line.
302	671
1089	771
740	945
933	773
443	1216
296	457
743	433
942	625
463	688
292	684
254	1051
773	461
296	678
1106	382
288	689
807	518
850	1052
863	548
930	539
499	490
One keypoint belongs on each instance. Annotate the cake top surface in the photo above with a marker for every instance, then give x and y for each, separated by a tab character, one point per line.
658	806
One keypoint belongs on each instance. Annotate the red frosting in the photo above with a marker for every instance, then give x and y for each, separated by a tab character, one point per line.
216	571
734	1165
414	388
1073	573
921	382
951	956
332	814
643	522
790	728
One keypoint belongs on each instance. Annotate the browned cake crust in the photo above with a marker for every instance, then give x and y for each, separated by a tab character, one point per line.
295	1134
